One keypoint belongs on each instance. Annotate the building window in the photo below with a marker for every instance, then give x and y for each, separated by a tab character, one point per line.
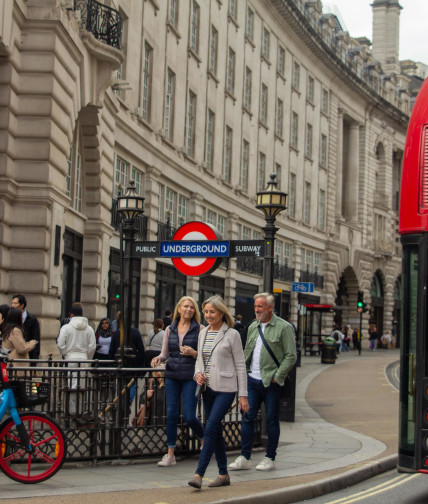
261	175
279	117
194	39
321	210
247	89
245	164
317	262
228	154
233	10
183	209
266	43
250	24
147	81
171	206
209	148
231	71
191	123
221	224
311	86
170	105
281	61
296	76
294	129
213	51
173	12
137	177
292	196
263	104
307	203
72	270
277	172
246	233
287	253
308	147
324	102
69	171
279	251
161	203
323	151
121	176
74	178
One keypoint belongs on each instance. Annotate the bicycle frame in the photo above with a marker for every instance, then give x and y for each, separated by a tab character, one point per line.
8	402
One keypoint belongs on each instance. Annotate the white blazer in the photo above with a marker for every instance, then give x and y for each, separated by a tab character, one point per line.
227	372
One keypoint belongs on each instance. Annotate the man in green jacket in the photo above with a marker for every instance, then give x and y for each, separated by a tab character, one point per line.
266	376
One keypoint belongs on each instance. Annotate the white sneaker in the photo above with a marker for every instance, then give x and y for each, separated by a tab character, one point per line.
266	464
240	463
167	460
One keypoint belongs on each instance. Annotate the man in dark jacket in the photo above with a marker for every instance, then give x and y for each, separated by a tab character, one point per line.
30	323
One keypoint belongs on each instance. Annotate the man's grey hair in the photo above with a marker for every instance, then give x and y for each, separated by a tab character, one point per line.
270	300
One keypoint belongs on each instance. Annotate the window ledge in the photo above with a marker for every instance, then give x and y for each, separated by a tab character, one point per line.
144	123
169	143
279	137
295	90
266	60
231	19
230	95
193	54
247	111
173	29
213	77
250	41
263	125
310	103
295	149
281	76
155	6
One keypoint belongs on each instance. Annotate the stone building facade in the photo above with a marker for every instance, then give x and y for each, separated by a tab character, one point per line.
198	102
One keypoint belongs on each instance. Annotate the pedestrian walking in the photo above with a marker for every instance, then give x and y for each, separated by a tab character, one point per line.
270	354
220	371
373	337
30	324
13	337
179	350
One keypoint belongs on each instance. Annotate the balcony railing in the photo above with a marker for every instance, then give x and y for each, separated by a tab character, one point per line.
250	265
165	231
283	272
140	222
308	276
102	21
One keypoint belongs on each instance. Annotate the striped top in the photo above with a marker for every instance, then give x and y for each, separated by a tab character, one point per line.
206	352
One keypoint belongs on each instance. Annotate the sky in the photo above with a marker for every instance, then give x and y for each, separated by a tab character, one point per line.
357	16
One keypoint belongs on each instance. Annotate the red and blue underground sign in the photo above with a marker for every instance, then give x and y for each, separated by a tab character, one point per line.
196	249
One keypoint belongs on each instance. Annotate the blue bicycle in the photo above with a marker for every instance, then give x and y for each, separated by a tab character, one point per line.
32	444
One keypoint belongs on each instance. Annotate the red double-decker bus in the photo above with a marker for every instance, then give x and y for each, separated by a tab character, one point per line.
413	228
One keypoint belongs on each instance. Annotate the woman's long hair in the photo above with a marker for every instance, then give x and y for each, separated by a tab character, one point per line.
196	315
104	333
4	310
13	319
218	303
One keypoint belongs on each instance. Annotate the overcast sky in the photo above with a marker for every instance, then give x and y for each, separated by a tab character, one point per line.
357	16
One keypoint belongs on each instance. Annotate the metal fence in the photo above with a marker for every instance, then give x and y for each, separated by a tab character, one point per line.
115	412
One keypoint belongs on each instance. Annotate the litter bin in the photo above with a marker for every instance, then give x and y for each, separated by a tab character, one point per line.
328	350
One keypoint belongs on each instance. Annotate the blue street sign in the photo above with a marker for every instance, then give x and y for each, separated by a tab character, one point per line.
302	287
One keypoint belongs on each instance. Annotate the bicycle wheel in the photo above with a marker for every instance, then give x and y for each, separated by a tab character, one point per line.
49	448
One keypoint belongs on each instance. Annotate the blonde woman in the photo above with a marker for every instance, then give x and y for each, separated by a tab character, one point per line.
220	370
179	349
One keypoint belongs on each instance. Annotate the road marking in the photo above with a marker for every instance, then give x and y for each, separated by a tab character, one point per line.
382	487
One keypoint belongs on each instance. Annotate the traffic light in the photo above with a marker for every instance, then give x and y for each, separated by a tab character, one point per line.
360	302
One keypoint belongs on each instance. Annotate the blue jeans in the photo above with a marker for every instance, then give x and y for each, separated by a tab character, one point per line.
216	405
174	390
257	393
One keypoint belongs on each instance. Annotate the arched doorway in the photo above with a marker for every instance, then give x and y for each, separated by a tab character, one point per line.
376	306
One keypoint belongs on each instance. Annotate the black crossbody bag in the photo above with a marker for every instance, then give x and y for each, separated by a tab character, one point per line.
284	388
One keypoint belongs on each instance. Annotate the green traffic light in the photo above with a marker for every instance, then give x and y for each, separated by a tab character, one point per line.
117	296
360	304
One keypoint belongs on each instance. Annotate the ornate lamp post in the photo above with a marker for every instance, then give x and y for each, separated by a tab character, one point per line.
129	206
272	202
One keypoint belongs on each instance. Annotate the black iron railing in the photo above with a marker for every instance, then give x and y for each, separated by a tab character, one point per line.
140	222
251	265
106	413
165	231
308	276
283	272
102	21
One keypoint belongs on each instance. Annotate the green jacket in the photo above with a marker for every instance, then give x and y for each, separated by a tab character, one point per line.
279	335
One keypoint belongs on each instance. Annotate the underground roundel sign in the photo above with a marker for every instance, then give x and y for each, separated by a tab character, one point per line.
196	266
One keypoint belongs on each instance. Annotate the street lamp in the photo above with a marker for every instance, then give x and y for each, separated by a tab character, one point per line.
272	202
129	206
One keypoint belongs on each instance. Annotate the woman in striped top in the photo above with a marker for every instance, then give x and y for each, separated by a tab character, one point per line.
220	370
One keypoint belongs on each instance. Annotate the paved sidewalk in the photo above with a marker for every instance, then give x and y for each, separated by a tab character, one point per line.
346	429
